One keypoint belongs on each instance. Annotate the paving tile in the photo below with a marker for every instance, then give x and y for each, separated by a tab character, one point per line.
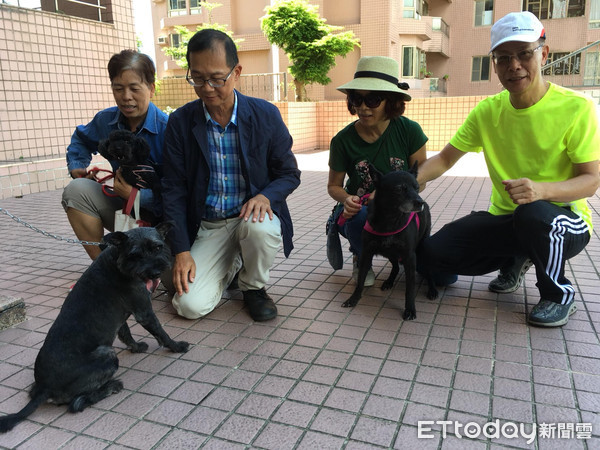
238	428
338	423
181	439
143	435
169	412
295	413
319	375
345	399
278	437
374	431
313	440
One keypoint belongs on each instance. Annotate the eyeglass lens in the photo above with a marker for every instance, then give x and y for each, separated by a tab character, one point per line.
522	56
370	100
196	81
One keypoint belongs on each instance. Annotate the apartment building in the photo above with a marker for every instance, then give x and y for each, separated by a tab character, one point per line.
442	45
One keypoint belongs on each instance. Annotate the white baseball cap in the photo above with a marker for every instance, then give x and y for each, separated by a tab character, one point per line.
517	26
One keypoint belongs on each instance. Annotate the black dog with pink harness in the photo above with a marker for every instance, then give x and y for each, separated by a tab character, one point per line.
398	219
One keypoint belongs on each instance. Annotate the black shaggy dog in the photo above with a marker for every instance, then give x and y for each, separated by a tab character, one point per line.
132	153
76	364
397	221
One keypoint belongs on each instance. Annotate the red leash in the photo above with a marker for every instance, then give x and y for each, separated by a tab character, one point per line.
94	171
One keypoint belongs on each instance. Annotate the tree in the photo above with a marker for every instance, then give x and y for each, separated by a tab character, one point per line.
178	53
310	44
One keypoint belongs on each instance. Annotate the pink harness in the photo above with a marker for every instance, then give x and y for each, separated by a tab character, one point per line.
413	215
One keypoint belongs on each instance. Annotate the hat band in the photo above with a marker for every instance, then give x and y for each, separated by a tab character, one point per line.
381	76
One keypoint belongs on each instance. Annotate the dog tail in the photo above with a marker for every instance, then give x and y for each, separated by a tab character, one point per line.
9	421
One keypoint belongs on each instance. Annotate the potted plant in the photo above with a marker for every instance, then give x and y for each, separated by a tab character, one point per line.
445	77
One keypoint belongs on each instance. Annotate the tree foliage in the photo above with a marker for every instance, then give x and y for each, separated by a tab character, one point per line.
178	53
309	42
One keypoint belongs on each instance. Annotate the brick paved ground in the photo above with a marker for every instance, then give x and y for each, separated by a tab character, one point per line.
318	376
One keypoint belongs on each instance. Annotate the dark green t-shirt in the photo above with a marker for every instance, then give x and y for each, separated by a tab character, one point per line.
349	153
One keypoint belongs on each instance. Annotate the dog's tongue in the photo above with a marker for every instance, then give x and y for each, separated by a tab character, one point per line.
151	285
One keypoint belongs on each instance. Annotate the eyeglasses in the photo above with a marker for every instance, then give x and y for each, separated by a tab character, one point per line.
212	82
370	100
522	56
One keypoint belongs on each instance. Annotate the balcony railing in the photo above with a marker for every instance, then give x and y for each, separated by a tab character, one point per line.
579	69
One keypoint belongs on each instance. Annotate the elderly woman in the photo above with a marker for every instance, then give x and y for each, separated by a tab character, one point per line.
88	209
381	136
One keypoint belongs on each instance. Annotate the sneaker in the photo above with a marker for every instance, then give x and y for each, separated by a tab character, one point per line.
510	279
369	280
551	314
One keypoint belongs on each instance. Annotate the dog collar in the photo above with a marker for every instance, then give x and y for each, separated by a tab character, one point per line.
413	215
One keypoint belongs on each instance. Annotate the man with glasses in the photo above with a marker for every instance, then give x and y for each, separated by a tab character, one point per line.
228	169
542	148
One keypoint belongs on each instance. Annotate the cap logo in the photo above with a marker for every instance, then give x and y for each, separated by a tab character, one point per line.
522	29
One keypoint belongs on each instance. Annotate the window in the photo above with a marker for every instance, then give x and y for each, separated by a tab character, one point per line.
484	12
409	62
195	7
481	68
177	8
570	66
175	40
555	9
595	14
414	9
30	4
591	74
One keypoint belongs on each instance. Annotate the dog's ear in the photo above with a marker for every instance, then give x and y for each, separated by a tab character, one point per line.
141	149
375	174
116	238
103	147
163	228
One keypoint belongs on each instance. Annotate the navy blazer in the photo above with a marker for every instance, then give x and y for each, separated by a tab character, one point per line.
268	166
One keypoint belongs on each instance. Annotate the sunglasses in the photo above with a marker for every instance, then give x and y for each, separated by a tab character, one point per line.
370	100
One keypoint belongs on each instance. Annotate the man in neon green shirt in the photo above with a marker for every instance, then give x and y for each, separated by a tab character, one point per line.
542	148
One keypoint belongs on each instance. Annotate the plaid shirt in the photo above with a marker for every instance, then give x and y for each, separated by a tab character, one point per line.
227	189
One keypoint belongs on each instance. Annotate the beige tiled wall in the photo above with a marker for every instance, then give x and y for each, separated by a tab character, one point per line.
52	77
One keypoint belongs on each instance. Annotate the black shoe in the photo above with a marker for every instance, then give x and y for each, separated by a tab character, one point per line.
509	279
260	305
551	314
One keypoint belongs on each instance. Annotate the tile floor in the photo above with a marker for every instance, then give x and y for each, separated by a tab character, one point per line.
318	376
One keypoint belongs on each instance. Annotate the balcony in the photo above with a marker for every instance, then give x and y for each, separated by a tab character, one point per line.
440	36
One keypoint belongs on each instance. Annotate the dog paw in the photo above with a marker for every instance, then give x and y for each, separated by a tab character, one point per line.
387	285
138	347
349	303
432	293
114	386
409	315
78	404
179	347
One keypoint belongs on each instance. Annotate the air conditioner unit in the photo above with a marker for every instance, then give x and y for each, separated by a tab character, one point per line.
162	39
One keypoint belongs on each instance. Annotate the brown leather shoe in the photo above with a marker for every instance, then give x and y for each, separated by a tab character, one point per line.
260	306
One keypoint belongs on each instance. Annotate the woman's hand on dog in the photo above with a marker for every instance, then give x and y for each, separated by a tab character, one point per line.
352	206
184	272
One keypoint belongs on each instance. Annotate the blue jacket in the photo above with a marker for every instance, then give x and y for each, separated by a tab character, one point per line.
268	166
85	139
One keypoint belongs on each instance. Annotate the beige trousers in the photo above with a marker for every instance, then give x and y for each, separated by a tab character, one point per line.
223	248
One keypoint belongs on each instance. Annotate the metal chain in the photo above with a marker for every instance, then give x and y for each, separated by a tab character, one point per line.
45	233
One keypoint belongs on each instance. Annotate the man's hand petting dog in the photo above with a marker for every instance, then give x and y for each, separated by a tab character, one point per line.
397	221
77	361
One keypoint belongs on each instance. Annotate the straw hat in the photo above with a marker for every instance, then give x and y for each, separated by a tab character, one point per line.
376	73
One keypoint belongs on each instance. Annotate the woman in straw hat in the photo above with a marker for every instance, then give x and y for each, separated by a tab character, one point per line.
380	136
